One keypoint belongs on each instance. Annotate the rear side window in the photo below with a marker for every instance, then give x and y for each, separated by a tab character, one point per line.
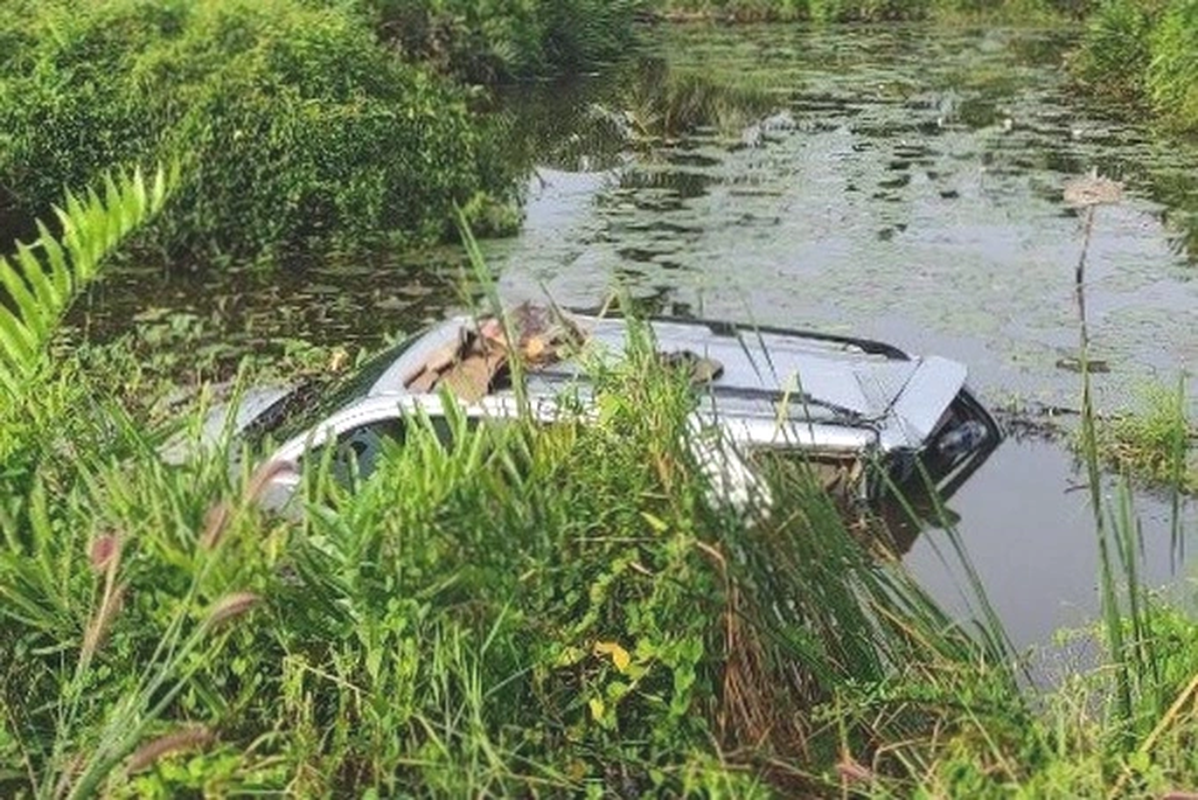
356	452
310	403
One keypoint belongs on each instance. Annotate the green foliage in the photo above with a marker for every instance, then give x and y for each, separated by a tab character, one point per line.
490	40
1172	78
292	121
667	103
1144	51
1115	53
518	609
521	609
1154	442
580	34
43	279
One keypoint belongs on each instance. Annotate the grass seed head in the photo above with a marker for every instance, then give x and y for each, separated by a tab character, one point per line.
190	738
215	523
231	606
264	475
105	553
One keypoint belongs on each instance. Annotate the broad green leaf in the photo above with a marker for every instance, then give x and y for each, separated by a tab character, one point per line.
40	289
22	298
48	300
60	272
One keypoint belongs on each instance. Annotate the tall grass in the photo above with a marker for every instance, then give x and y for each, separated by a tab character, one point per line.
513	608
1142	51
509	608
521	608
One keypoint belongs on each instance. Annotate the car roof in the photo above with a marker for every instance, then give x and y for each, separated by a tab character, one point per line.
844	377
764	382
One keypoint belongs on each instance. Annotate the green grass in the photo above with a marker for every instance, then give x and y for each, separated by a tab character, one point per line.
1153	443
524	609
1142	52
627	634
519	609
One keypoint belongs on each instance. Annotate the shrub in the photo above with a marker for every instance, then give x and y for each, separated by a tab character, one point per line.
1116	51
490	40
292	122
1172	75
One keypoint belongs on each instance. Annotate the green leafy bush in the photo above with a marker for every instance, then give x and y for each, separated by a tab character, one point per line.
1172	75
291	121
1144	51
490	40
1116	52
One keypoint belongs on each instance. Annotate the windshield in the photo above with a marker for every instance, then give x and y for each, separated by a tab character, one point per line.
317	399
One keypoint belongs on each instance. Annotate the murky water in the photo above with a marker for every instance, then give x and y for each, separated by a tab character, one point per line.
917	198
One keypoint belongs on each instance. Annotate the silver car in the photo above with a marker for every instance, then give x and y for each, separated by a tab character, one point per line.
858	411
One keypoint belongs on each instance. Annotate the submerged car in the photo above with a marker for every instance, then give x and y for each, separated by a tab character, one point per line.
859	412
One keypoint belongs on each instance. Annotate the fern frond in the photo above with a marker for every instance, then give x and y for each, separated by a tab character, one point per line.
40	281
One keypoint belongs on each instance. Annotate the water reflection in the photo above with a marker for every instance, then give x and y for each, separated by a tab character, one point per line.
914	153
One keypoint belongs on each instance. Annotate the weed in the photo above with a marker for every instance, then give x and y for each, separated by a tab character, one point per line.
1155	443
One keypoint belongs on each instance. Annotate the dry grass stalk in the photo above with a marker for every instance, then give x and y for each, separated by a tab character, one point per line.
105	557
1171	717
68	775
264	475
748	715
851	770
744	717
191	738
97	629
218	518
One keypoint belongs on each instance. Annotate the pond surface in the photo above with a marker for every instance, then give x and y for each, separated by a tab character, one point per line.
913	195
918	200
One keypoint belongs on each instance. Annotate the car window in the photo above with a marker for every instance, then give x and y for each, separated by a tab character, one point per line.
316	400
357	451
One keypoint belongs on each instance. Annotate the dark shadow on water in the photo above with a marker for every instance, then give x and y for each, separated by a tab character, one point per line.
1026	523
